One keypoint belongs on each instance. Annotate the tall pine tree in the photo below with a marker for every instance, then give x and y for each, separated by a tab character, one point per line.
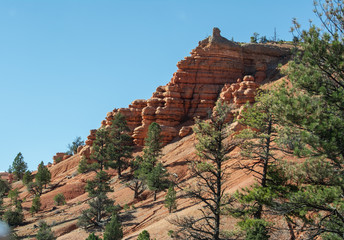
210	174
313	110
19	167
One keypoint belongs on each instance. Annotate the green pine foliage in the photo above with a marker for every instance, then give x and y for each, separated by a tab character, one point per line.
120	149
83	166
19	167
4	187
14	196
153	143
171	199
113	230
42	177
157	180
73	147
312	109
99	155
209	175
138	181
258	148
59	199
111	148
144	235
27	178
44	232
145	169
13	217
256	229
100	205
36	205
92	236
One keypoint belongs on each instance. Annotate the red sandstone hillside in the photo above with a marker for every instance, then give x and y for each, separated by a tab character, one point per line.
216	68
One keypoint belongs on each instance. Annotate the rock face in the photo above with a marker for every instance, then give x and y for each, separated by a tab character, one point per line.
213	68
60	156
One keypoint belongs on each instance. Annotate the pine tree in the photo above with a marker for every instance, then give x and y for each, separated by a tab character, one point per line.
157	180
171	199
99	155
42	177
259	148
14	196
209	175
44	232
111	148
100	205
113	230
19	166
313	110
120	147
137	183
27	178
153	143
143	167
36	204
14	217
73	148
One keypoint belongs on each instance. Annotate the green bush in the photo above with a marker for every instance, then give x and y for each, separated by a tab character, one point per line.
113	230
44	232
144	235
58	159
4	187
83	166
13	218
36	204
59	199
27	178
93	237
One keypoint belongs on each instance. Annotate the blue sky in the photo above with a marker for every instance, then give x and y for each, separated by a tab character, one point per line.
65	64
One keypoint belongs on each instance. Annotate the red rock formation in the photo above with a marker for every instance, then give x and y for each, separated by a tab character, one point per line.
60	156
214	65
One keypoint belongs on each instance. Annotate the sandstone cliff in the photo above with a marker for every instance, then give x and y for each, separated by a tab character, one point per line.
216	65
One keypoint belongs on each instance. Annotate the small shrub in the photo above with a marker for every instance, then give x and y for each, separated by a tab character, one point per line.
13	218
144	235
93	237
126	207
59	199
44	232
58	159
170	233
4	187
14	195
113	230
36	204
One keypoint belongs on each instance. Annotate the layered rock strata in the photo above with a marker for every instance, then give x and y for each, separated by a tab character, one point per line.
213	68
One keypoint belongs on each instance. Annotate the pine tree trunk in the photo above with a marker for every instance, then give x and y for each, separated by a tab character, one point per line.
258	214
119	172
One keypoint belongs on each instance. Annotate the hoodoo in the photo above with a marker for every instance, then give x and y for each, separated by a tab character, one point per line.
216	66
